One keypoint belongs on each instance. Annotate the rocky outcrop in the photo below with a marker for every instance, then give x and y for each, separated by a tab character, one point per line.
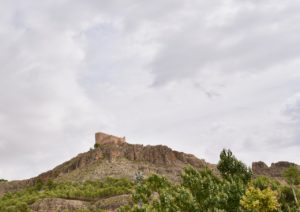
113	153
116	158
275	170
113	157
113	203
162	155
58	204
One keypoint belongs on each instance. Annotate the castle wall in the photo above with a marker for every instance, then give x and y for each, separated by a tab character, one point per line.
102	138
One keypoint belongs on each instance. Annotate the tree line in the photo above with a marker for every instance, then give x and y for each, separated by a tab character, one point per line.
234	189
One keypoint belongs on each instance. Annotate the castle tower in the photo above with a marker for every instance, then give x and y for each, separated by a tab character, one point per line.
102	138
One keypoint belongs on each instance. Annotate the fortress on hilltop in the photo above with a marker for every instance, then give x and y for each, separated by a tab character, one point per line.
102	138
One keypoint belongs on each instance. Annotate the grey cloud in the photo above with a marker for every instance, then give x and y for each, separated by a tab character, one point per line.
42	104
70	68
292	108
253	38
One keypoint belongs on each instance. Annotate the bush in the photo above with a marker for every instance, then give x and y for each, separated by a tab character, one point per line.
261	200
263	182
89	190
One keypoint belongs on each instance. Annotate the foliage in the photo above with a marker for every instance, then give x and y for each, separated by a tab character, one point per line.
261	200
3	180
286	199
199	190
205	191
158	194
292	175
263	182
234	190
205	187
88	191
230	167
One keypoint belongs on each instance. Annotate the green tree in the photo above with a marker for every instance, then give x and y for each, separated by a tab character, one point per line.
156	193
200	190
230	167
260	200
212	193
205	187
234	189
292	176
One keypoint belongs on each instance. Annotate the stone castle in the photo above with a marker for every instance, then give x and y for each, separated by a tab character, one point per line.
102	138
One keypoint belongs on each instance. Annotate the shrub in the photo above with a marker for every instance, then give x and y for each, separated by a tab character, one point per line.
262	200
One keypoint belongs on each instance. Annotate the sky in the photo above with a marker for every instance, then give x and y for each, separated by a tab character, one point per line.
197	76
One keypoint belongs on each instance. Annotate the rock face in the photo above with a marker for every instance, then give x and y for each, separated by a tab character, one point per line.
275	170
57	204
121	159
113	203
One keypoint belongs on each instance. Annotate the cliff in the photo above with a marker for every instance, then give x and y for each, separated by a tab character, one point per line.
275	170
121	159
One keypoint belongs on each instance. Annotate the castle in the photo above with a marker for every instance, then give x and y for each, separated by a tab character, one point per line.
102	138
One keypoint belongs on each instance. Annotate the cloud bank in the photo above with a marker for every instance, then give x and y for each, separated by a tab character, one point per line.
197	76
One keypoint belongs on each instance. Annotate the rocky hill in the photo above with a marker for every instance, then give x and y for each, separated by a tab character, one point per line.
114	157
275	170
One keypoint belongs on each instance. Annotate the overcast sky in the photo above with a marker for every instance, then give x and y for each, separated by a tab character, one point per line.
197	76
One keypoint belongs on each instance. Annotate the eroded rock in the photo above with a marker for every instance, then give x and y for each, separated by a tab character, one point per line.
276	170
58	204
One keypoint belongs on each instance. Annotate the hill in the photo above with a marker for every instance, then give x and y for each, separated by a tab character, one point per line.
102	177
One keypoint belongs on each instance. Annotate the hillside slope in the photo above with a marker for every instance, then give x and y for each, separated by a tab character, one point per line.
115	159
102	177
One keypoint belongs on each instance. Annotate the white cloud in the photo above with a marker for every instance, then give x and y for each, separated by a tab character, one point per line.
197	76
292	108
